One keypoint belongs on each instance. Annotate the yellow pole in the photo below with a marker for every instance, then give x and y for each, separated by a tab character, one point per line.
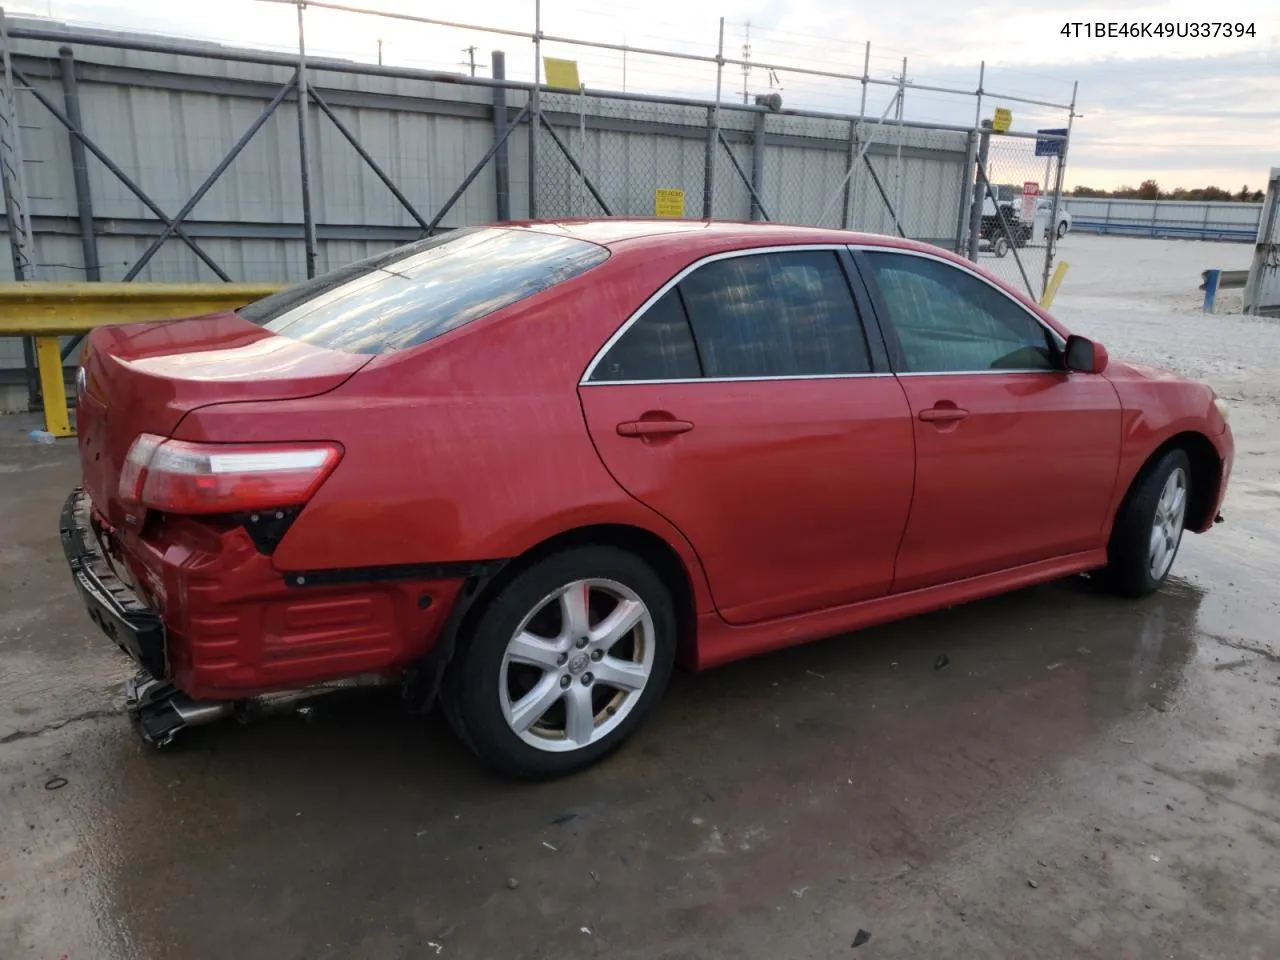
1055	282
49	362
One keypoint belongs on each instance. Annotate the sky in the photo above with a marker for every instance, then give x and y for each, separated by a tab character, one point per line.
1187	111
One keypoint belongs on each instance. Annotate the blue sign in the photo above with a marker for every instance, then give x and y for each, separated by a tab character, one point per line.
1050	143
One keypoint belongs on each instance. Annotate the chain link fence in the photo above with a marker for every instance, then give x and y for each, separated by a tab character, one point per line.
395	153
1018	225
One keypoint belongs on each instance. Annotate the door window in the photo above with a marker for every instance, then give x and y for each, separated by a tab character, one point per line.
949	321
775	315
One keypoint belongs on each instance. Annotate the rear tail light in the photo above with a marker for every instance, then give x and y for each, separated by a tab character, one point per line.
198	478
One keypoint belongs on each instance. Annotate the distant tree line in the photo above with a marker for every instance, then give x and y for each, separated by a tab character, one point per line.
1150	190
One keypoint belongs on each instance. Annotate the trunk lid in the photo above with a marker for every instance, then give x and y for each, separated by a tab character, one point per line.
145	377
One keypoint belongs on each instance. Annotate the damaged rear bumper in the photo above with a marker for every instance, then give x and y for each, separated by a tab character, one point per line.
112	605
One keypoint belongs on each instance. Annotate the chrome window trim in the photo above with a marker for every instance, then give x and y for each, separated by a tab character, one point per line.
965	268
982	373
586	381
804	376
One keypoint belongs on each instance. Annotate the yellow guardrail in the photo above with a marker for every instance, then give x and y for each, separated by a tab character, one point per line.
47	311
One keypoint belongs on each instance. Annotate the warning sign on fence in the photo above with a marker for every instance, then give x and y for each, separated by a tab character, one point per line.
562	73
668	203
1003	120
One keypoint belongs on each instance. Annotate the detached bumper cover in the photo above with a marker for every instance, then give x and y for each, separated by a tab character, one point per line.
112	605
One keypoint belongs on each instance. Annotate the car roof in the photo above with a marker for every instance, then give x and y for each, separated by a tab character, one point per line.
616	232
643	238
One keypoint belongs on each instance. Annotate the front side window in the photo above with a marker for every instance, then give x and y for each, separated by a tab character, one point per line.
788	314
407	296
949	321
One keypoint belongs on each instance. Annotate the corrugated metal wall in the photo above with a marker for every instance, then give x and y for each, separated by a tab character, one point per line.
167	120
1193	220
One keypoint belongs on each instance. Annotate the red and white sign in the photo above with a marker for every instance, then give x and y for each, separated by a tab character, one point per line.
1030	193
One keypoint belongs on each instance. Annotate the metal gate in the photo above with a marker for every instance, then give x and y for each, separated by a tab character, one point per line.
1017	213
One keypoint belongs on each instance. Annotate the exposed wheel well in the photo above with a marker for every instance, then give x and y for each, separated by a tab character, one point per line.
1206	474
648	546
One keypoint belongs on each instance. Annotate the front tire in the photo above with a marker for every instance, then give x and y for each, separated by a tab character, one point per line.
1000	246
1062	229
564	663
1148	529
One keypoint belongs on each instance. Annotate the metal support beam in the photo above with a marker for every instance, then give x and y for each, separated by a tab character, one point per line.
847	207
964	214
13	177
757	166
975	211
59	309
137	191
304	155
475	171
501	159
210	180
577	167
53	388
875	178
364	155
534	107
862	153
713	134
79	167
756	202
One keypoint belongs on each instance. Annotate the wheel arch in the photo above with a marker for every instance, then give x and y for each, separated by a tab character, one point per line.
647	545
1206	476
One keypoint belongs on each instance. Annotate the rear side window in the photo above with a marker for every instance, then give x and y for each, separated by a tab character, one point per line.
658	346
407	296
776	315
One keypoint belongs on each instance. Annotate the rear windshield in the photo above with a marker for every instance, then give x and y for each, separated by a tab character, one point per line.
409	295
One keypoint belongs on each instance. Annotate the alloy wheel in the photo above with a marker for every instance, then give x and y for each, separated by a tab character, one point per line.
577	665
1166	526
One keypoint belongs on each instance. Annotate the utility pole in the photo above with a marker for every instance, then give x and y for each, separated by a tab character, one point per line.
379	51
746	61
471	57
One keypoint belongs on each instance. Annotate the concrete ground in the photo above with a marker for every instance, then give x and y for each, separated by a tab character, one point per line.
1088	777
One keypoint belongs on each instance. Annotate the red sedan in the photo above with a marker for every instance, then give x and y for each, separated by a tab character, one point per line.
528	468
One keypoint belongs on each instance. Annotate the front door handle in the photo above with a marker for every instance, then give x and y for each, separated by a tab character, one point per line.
653	428
941	414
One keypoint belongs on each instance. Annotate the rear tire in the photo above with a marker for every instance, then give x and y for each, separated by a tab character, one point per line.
564	663
1148	529
1062	229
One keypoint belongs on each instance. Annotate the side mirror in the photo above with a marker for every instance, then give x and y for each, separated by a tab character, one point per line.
1085	356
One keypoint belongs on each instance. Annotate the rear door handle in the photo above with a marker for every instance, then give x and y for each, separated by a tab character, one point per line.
653	428
943	414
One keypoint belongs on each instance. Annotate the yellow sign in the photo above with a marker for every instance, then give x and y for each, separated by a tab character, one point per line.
1051	290
1003	120
668	203
562	73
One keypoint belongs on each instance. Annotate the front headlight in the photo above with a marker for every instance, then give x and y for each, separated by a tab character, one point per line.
1222	408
